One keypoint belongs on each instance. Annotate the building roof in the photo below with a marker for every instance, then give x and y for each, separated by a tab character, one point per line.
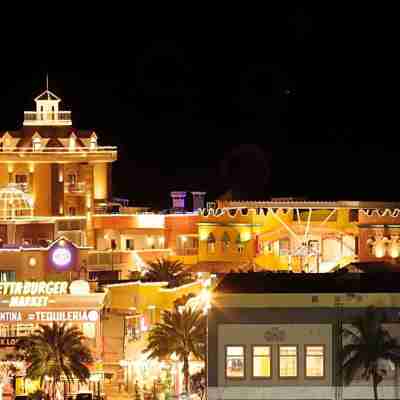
59	132
339	282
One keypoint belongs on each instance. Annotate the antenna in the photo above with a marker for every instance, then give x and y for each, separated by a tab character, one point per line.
47	85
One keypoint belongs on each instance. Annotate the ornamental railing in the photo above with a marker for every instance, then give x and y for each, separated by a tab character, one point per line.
78	187
34	117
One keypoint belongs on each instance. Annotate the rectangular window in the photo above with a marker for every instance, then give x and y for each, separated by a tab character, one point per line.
284	246
89	330
315	361
261	361
129	244
288	361
234	361
21	178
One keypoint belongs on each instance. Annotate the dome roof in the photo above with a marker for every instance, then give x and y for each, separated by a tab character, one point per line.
14	202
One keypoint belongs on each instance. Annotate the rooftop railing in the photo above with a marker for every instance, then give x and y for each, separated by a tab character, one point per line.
46	118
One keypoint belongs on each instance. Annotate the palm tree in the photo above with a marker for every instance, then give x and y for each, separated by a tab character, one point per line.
172	272
181	332
56	351
369	346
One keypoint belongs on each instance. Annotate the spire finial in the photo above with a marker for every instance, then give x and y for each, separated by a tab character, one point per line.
47	85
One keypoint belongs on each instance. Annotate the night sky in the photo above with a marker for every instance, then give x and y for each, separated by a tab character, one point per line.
312	87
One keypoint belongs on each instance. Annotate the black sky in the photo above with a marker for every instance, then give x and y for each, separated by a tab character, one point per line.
315	88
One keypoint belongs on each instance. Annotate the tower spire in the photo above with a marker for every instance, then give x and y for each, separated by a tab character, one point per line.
47	84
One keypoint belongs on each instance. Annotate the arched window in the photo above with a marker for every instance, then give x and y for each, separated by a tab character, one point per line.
226	242
239	244
211	243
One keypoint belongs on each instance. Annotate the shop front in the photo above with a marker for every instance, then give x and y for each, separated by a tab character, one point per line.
24	306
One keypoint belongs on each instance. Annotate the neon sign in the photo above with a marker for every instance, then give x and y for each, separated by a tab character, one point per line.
50	316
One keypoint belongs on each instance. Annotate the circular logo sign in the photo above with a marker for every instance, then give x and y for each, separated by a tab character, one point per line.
61	257
93	316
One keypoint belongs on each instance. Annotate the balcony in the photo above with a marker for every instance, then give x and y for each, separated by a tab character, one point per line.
34	118
75	188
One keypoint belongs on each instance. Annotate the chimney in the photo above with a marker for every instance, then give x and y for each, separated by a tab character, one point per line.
178	200
198	200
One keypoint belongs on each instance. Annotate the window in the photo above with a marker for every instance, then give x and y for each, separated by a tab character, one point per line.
72	143
89	330
284	245
234	361
129	244
226	242
315	361
71	178
36	144
21	178
261	361
93	143
287	361
211	243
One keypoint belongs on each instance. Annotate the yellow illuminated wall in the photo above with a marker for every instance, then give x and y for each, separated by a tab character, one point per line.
42	189
238	237
100	179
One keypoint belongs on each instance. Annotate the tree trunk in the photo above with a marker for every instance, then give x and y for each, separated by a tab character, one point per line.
186	372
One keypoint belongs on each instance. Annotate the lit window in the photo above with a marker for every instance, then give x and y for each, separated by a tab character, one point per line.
36	144
314	361
93	143
287	361
89	330
234	361
261	361
211	243
72	143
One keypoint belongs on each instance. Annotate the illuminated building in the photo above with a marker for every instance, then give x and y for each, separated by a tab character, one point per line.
296	235
55	182
276	336
59	224
133	310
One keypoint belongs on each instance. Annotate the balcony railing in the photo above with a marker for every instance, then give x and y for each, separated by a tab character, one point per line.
192	251
23	186
78	187
47	118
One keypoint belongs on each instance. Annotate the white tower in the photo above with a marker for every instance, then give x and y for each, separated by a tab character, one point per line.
47	112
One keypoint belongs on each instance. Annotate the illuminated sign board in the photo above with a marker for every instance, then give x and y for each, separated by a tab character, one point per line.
61	256
32	294
50	316
33	288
